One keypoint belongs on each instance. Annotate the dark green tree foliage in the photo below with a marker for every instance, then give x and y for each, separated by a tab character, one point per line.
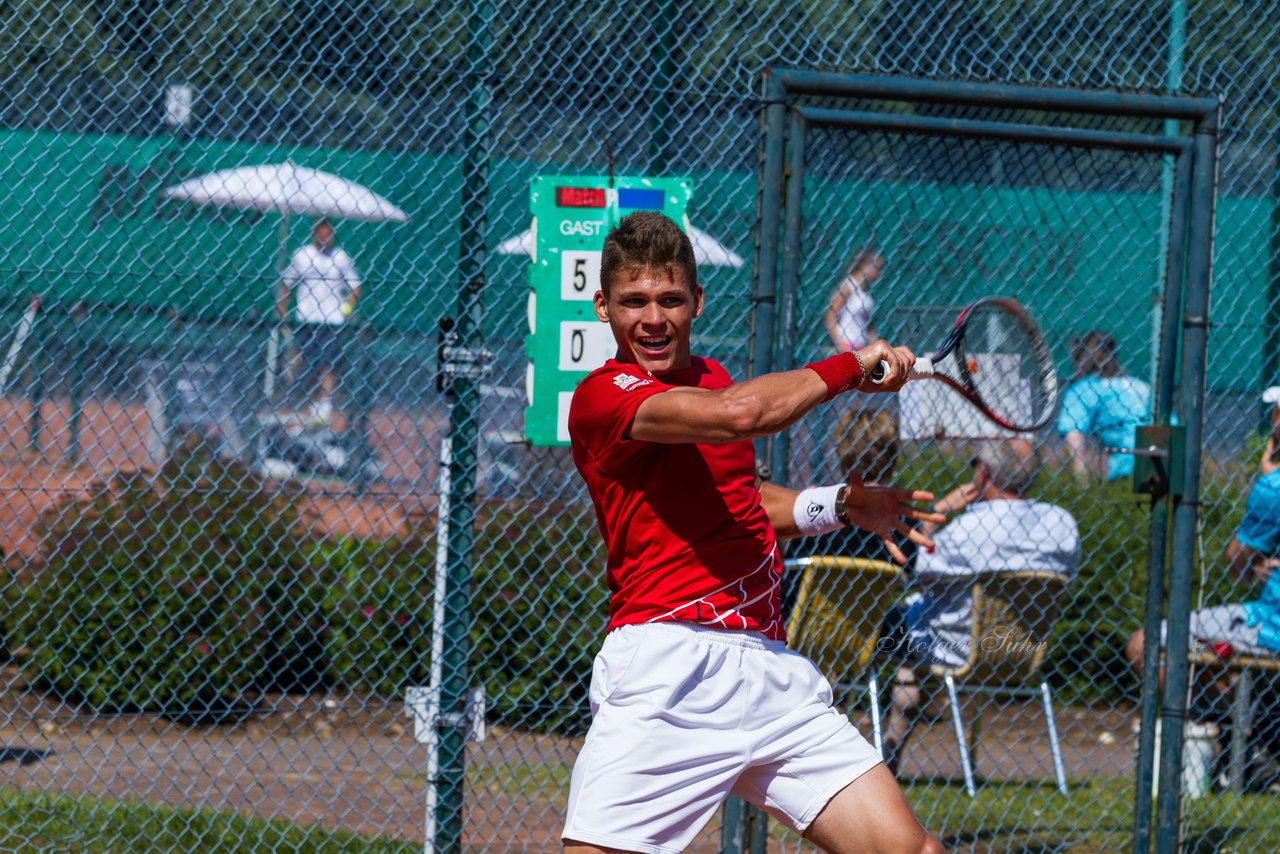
171	594
181	593
379	614
537	616
540	614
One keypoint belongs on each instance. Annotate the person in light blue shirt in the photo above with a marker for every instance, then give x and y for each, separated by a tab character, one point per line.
1101	408
1253	553
1252	627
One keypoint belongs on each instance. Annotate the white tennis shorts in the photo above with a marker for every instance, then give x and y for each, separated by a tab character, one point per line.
685	715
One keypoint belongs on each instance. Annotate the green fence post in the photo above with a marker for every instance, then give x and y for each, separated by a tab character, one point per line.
664	72
736	821
1157	543
1173	84
452	723
1195	326
789	281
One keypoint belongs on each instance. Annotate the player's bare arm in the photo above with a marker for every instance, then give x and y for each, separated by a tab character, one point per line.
1246	564
757	407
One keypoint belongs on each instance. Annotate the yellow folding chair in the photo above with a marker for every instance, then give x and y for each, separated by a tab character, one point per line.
1012	618
836	620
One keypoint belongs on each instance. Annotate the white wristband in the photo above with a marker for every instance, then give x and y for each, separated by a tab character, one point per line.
815	510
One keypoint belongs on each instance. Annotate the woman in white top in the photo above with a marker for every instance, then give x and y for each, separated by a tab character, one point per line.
848	317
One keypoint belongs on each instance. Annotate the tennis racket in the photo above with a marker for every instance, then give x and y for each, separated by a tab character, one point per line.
996	358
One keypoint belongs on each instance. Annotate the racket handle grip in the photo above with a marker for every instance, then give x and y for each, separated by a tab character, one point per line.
922	368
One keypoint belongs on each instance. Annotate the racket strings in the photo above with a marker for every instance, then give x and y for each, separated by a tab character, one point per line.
1008	366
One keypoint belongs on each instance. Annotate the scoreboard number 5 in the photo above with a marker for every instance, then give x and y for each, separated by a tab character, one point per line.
579	274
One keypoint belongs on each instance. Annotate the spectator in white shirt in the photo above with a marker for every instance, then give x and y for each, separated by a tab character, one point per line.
324	285
1000	530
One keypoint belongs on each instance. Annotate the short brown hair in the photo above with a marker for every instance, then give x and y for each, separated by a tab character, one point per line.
865	255
1094	354
646	240
868	443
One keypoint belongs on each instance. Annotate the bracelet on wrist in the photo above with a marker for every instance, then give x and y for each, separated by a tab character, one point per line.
842	510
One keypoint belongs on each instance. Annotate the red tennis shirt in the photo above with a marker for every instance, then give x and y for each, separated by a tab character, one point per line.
687	534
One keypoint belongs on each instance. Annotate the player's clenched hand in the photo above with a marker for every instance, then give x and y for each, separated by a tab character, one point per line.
886	511
899	359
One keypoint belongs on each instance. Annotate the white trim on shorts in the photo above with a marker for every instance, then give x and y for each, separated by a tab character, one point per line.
685	715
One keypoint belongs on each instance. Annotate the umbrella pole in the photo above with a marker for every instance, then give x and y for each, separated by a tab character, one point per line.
282	240
275	340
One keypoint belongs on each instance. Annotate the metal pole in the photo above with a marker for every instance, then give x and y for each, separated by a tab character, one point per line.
1195	325
918	90
364	396
452	723
982	129
1271	311
737	826
1173	83
769	200
1158	540
80	349
788	285
660	104
36	392
438	623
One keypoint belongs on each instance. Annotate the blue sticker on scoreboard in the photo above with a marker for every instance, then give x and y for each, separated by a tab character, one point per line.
637	199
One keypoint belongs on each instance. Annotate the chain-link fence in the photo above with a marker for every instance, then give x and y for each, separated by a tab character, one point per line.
220	570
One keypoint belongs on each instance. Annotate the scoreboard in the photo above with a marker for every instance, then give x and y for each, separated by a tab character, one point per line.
571	216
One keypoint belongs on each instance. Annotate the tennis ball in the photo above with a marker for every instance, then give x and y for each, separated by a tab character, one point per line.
346	308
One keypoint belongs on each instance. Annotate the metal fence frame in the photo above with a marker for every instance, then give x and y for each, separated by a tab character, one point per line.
1193	124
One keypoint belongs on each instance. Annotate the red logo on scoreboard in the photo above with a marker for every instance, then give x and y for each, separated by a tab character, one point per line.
580	197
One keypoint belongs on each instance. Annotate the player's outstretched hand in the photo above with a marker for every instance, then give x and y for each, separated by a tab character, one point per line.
886	511
899	359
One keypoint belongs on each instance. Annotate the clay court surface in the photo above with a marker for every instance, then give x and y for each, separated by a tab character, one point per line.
116	437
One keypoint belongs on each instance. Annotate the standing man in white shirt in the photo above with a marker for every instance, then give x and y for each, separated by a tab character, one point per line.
999	530
324	284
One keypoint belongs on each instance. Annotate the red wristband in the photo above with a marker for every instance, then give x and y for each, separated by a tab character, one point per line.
841	373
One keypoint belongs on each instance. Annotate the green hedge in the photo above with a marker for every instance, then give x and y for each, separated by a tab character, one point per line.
173	594
538	610
541	607
198	586
379	613
182	593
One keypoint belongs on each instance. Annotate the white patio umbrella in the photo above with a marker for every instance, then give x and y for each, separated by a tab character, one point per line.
706	249
287	189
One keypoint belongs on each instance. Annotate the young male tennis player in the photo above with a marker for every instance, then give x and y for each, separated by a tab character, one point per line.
694	694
